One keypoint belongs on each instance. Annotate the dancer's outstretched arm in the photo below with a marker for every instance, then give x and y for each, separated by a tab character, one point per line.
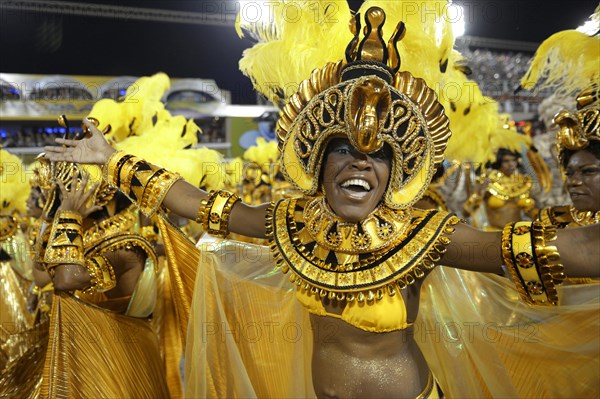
182	198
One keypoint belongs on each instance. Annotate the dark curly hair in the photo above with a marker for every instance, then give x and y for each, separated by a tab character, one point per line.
593	147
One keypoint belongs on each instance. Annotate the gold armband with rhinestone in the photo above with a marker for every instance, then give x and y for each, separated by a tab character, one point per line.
533	264
65	243
214	215
144	183
102	275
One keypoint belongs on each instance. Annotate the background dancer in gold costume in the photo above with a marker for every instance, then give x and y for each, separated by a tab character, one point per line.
101	342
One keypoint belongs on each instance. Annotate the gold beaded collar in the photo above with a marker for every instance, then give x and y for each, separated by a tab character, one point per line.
509	187
381	229
314	262
584	218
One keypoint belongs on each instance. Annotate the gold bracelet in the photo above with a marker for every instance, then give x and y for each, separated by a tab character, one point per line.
65	244
215	215
533	265
144	183
202	211
548	259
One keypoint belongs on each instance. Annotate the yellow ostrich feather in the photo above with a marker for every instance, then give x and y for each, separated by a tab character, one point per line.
566	62
140	125
283	57
15	185
427	44
264	153
134	113
233	173
472	115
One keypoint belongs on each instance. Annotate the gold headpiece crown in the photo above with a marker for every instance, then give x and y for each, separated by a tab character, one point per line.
577	129
368	101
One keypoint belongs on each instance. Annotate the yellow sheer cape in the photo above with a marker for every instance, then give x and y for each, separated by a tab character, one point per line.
248	336
502	347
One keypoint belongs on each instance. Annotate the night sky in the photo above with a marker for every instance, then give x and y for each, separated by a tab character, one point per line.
44	43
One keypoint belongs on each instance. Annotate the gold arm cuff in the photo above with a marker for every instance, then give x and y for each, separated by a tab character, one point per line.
102	275
110	170
533	265
143	183
214	215
202	210
65	244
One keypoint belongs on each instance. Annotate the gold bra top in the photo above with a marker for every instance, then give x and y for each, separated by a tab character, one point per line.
365	264
505	188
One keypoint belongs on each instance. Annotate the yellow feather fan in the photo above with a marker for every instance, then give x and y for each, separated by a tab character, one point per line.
15	185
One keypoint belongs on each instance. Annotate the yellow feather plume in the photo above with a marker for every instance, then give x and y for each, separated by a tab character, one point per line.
426	47
506	135
566	62
301	36
264	153
15	184
140	125
133	114
233	172
289	48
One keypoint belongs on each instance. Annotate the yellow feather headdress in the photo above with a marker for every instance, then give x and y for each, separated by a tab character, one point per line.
360	87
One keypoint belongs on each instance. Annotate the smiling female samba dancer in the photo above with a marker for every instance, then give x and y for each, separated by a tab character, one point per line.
361	141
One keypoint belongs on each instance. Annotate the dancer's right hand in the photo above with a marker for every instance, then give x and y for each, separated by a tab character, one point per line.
91	150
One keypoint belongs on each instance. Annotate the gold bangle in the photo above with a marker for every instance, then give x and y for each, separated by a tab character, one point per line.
65	244
144	183
110	170
201	211
532	264
155	191
215	215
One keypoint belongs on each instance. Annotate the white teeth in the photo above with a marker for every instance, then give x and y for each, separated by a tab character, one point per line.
357	182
